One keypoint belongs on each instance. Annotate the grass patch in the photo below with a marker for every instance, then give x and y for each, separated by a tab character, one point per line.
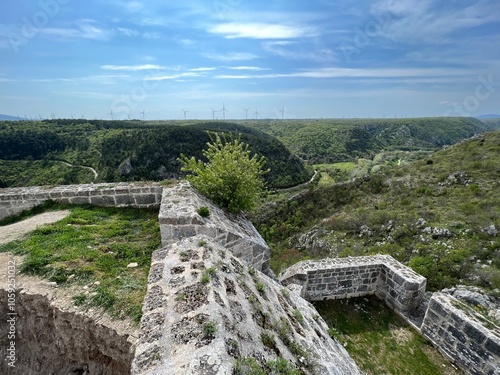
91	248
379	341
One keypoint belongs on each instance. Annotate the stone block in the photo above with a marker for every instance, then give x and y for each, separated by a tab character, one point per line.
493	345
124	200
102	200
79	200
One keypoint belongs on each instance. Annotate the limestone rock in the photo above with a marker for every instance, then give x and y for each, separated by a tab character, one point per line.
215	311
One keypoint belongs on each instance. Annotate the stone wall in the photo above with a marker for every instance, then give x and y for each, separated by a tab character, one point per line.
16	200
205	311
401	288
461	334
50	340
179	219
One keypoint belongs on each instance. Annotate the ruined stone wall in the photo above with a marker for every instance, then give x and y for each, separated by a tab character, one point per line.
401	288
179	219
462	336
52	341
16	200
206	310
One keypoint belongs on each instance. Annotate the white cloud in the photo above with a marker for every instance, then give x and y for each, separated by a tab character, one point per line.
319	54
128	32
253	68
172	76
133	68
201	69
414	21
357	73
85	29
232	56
261	31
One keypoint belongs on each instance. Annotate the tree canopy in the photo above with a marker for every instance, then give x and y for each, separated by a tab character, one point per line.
231	176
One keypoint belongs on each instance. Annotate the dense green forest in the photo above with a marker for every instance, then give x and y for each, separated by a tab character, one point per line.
124	151
341	140
439	214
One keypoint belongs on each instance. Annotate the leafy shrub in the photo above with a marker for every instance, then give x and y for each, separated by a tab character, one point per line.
204	211
232	177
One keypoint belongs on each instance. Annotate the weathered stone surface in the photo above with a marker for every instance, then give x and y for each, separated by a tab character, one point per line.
52	341
217	314
179	219
16	200
461	335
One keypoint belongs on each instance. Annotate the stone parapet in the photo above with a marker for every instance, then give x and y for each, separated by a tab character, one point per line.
462	335
16	200
179	218
401	288
205	311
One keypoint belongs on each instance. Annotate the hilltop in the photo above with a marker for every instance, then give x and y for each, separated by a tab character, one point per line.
439	214
341	140
83	151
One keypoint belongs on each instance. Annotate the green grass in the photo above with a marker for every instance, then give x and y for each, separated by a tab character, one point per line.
390	203
379	341
92	247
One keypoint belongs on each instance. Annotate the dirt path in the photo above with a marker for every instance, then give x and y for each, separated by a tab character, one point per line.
17	230
80	166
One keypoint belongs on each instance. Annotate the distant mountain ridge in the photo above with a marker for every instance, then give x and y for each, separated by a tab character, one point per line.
488	116
340	140
9	118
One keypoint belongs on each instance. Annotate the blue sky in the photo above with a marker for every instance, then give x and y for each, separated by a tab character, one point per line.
315	58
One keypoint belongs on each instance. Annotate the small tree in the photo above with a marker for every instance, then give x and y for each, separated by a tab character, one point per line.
231	177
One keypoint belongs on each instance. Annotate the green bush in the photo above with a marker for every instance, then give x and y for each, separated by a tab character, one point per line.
204	211
231	177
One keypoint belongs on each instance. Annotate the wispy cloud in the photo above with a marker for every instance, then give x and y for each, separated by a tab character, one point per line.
253	68
173	76
232	56
84	29
261	31
129	32
354	73
202	69
133	68
294	51
416	21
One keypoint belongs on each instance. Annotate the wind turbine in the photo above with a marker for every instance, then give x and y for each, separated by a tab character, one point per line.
111	114
128	117
143	114
213	113
185	111
256	114
53	116
224	110
246	112
283	113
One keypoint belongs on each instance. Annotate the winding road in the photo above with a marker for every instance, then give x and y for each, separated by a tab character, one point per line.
79	166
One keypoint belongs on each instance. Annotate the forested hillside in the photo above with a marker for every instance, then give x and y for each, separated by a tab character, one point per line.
340	140
439	214
70	151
